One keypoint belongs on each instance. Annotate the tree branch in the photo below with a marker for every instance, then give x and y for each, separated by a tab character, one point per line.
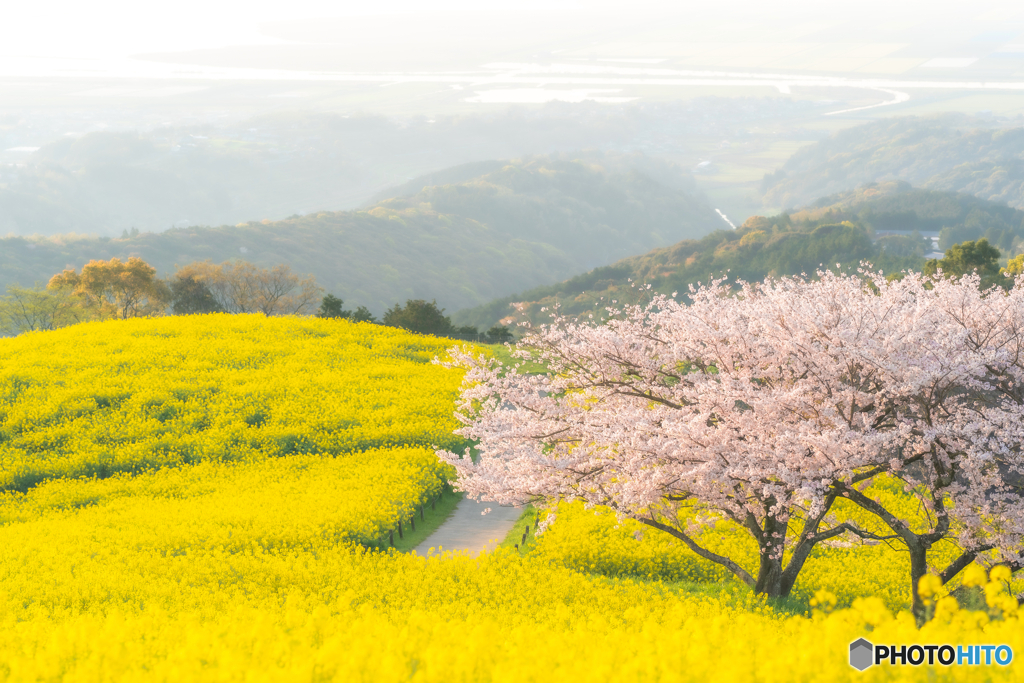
960	563
891	520
739	571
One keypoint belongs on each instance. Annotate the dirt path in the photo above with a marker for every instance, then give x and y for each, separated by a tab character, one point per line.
468	530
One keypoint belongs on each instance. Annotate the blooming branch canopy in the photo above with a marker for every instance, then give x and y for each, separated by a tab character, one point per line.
762	404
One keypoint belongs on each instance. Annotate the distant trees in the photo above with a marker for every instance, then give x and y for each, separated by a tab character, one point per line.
27	310
1014	267
333	307
128	289
420	316
499	334
424	317
362	315
115	288
241	287
966	258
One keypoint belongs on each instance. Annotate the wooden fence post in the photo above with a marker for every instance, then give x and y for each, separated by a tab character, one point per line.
400	534
412	522
391	537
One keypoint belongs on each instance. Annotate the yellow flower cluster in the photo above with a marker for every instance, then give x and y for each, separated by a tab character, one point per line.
126	396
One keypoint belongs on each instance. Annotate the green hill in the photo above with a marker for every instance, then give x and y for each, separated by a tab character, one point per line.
954	153
843	229
517	225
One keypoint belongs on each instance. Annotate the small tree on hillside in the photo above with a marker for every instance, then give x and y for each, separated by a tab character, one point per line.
332	307
419	316
189	296
1014	267
362	315
762	407
499	334
115	288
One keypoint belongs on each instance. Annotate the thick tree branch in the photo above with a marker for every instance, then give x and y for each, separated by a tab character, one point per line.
960	563
891	520
739	571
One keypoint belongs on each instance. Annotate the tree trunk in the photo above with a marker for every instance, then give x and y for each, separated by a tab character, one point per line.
918	568
796	563
770	540
769	576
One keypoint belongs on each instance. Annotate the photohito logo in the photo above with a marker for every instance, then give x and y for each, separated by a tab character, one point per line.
863	654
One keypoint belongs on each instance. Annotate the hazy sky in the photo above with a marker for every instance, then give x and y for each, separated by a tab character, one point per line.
122	27
118	28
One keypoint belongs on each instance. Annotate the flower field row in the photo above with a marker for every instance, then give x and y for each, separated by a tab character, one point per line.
184	536
126	396
332	613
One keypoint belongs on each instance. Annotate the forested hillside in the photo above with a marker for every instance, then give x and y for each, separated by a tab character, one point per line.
896	206
522	224
953	152
842	229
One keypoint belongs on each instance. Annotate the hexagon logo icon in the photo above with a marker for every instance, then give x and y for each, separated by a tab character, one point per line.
861	652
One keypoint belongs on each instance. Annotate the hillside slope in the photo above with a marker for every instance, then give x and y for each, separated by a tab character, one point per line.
843	229
523	224
953	153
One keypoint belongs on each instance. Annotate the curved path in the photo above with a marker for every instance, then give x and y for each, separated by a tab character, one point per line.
471	531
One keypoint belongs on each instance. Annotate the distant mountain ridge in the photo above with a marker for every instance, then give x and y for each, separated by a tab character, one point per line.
842	229
955	153
517	225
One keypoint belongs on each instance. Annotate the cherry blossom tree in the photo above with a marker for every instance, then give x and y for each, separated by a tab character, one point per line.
992	424
761	405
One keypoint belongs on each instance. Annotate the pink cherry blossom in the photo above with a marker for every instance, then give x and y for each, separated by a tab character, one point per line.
761	404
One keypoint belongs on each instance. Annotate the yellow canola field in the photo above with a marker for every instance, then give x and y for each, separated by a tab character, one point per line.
246	572
126	396
74	545
332	613
217	540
